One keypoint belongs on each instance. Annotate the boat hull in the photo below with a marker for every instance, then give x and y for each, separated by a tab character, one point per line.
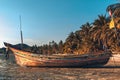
28	59
60	63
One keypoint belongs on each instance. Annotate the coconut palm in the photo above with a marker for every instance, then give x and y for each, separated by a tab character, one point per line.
98	32
83	38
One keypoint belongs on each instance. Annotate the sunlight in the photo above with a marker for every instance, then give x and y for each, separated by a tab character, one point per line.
7	33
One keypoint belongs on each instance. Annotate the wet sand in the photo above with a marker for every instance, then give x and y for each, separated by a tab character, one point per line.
11	71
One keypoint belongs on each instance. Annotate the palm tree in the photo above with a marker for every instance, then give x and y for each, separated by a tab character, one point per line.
115	10
82	41
98	32
68	43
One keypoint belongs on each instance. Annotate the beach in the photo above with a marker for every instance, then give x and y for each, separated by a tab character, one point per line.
20	73
11	71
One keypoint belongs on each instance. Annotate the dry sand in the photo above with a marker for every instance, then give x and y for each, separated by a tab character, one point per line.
10	71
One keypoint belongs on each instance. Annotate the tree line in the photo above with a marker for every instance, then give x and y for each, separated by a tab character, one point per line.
91	37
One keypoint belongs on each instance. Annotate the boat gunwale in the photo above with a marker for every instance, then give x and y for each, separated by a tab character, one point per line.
57	55
42	58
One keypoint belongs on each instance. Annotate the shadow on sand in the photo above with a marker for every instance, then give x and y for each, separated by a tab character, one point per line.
81	67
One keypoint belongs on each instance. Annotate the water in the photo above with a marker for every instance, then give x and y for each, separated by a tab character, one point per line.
10	71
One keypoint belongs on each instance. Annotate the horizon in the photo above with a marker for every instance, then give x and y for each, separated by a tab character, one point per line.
44	21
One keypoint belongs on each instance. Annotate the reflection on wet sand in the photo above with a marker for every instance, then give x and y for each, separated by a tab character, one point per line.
11	71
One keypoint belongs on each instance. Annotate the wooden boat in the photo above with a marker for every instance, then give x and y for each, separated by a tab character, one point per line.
24	58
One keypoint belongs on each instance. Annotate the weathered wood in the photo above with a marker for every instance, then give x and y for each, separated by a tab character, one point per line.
59	60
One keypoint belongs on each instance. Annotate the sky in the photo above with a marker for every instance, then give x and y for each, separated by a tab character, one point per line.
46	20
